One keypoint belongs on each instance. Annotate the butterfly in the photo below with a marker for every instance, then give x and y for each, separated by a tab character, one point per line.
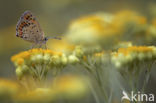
28	28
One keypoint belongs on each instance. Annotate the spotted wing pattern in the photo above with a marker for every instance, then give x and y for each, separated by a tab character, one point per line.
28	28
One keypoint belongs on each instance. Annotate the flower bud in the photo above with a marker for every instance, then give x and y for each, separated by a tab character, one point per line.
19	72
38	58
141	56
64	59
46	58
20	61
118	64
55	60
73	59
78	51
25	68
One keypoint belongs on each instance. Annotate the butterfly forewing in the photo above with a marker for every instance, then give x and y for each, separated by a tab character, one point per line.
28	28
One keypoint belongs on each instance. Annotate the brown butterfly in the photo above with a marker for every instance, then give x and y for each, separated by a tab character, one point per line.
28	28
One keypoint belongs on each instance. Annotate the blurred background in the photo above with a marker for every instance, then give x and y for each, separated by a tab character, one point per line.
54	17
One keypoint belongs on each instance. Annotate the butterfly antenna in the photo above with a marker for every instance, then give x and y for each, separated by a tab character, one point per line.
58	38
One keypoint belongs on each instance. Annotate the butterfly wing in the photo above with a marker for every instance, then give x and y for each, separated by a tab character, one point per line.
28	28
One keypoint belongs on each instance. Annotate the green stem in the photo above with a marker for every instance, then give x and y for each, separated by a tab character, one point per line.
147	76
94	94
100	83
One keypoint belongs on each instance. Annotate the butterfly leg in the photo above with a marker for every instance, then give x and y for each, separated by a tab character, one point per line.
45	46
33	45
40	45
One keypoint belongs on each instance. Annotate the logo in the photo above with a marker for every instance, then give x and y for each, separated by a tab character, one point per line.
137	96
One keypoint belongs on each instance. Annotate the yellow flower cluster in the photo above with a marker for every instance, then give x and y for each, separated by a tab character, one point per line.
87	42
38	61
132	54
34	56
152	30
90	29
67	87
8	89
103	28
100	57
32	60
131	24
127	16
41	95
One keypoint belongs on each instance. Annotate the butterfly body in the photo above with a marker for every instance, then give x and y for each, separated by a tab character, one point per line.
28	28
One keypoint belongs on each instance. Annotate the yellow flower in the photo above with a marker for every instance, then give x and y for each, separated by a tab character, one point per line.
125	16
37	95
73	59
35	61
135	63
36	53
72	53
99	54
132	53
103	28
22	55
78	51
8	89
131	23
151	31
92	28
61	46
98	57
20	61
66	86
69	86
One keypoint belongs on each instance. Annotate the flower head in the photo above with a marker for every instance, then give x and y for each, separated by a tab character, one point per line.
103	28
36	61
151	32
126	16
100	57
92	29
132	25
131	54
